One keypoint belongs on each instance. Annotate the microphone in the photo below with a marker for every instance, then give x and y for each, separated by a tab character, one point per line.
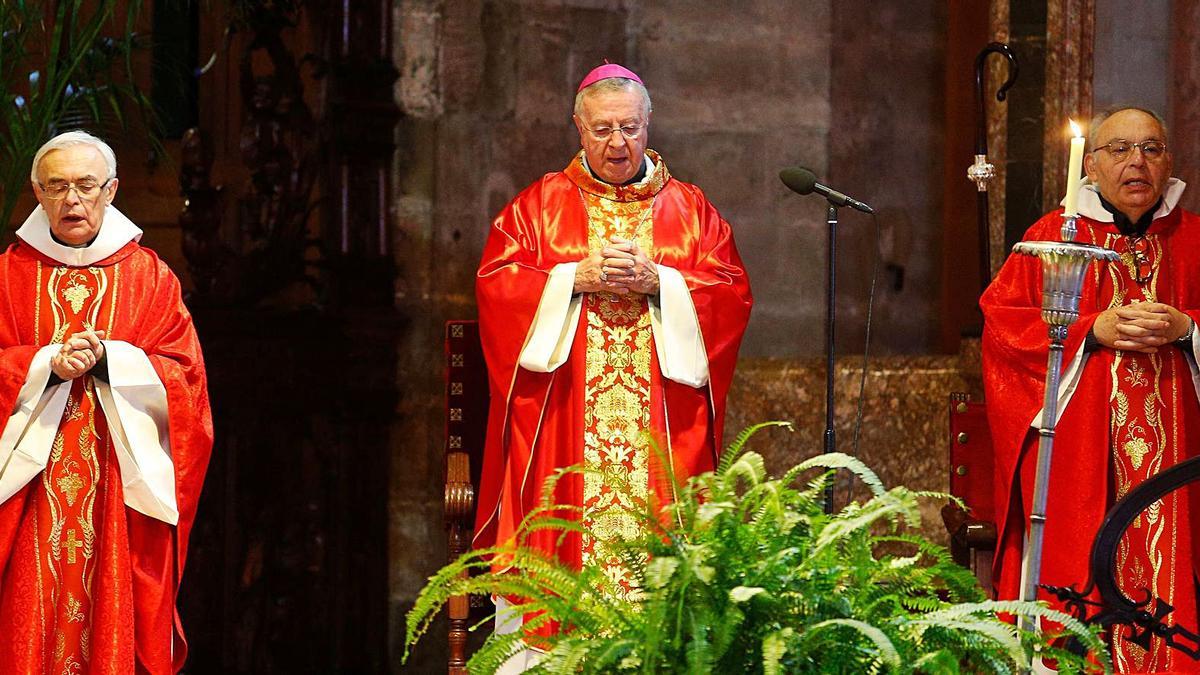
801	180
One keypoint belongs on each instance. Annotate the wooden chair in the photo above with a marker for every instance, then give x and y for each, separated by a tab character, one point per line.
466	424
972	531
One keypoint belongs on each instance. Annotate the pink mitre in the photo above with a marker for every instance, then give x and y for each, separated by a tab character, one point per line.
606	71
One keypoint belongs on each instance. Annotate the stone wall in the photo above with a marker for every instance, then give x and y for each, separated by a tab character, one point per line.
886	148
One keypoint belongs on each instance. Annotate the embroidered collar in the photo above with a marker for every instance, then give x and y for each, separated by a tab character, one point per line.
656	178
115	233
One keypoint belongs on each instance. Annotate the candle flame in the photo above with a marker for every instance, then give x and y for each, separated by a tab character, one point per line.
1075	128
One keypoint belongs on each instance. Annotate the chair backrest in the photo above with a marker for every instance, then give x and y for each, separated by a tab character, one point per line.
466	425
972	531
971	461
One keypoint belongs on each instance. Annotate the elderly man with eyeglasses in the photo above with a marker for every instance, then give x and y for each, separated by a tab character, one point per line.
1128	405
108	436
612	301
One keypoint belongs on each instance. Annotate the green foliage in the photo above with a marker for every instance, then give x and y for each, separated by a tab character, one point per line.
745	573
59	70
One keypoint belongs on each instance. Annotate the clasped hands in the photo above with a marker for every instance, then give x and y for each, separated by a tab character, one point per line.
620	268
1140	327
80	352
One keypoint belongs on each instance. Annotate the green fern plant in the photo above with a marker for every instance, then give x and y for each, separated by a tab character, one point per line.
745	573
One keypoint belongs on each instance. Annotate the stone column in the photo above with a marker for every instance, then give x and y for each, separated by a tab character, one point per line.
1184	123
1070	28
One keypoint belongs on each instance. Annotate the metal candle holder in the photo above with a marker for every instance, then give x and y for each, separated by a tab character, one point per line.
1064	264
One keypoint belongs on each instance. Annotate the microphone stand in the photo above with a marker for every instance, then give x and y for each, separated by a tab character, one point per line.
830	312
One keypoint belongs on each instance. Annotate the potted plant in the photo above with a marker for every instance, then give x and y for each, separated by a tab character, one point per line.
745	573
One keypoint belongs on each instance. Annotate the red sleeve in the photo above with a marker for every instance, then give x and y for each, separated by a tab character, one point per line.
16	354
720	293
1015	354
508	286
164	331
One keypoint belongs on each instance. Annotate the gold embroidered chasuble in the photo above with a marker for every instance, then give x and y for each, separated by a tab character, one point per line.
95	520
71	491
590	389
617	401
1129	416
1145	428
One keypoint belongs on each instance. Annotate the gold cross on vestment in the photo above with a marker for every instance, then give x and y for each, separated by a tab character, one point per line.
72	544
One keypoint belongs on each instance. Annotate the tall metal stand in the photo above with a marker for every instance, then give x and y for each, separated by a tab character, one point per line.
830	310
1064	264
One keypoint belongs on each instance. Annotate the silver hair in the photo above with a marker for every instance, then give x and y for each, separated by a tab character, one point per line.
72	138
613	84
1094	128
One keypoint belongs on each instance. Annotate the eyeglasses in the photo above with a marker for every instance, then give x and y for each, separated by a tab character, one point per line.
1143	268
87	189
629	131
1121	149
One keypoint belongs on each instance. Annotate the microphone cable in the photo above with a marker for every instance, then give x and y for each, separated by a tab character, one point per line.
862	383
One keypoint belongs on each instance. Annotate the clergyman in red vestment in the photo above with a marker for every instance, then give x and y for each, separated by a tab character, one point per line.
1128	402
108	436
612	302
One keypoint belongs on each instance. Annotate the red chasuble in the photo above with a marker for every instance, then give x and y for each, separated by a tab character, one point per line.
89	583
595	408
1131	415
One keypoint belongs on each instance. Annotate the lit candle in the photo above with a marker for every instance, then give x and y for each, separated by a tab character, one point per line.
1073	168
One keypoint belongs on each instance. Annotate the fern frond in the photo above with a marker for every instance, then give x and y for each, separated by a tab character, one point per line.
838	460
745	572
883	645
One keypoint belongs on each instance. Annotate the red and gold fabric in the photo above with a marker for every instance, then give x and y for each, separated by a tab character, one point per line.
603	384
92	544
1124	417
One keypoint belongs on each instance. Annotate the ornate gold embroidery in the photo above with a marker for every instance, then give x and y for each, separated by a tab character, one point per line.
70	484
76	293
37	307
75	286
1122	411
56	450
74	613
55	543
87	442
72	544
1144	439
73	478
1154	511
1137	449
638	192
112	301
60	323
74	411
617	408
89	537
1136	376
